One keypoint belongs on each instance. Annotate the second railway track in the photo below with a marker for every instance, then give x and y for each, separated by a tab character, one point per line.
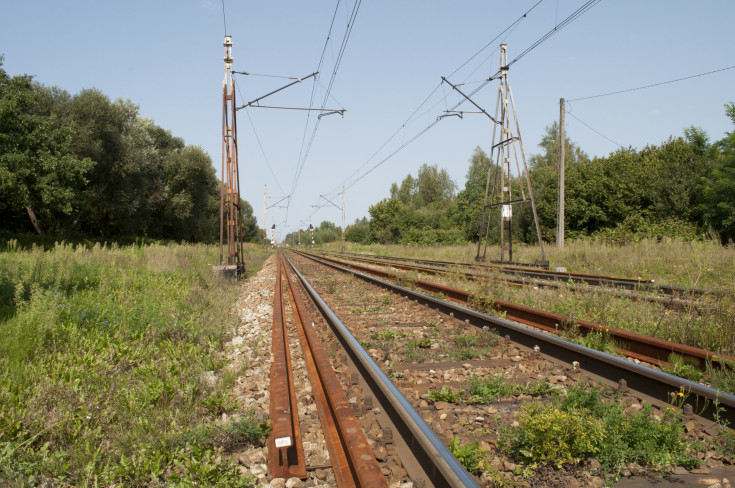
391	350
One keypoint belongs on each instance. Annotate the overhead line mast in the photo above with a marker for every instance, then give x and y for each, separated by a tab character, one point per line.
230	224
504	110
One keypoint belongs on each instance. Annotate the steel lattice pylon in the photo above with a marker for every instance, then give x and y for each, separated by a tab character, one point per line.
504	148
230	221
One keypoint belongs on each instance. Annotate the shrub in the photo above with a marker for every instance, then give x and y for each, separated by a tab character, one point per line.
469	455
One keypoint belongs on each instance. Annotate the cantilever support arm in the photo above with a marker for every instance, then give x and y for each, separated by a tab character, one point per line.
322	196
276	91
469	99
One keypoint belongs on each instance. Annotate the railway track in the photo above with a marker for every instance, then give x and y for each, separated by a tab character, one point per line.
641	347
367	345
524	273
427	461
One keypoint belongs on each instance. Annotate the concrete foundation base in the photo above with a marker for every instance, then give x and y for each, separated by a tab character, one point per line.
229	271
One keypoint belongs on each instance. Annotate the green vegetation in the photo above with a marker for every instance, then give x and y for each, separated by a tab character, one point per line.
596	340
469	455
490	388
112	368
446	394
678	189
83	166
387	335
423	343
680	368
581	425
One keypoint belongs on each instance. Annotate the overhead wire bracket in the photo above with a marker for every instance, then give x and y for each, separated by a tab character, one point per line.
299	80
482	110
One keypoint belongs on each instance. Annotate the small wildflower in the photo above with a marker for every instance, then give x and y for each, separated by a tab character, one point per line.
681	394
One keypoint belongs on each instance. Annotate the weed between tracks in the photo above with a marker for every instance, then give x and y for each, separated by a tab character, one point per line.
578	426
111	367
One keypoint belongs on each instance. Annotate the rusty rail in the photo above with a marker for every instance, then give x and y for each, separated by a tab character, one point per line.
432	464
642	347
353	461
528	271
705	401
285	448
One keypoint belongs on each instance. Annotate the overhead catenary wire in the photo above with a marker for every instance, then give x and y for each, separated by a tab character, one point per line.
224	18
568	20
505	31
348	31
651	85
257	138
592	128
311	99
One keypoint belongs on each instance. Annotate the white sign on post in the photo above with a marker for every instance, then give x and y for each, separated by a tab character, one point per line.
507	212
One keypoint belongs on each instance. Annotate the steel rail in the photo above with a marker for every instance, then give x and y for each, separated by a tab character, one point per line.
639	284
441	467
705	401
642	347
285	447
353	461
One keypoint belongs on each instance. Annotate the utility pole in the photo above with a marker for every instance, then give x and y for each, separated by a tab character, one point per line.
230	226
562	154
343	218
299	236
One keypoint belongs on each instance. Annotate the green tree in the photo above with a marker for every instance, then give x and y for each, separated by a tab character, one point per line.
384	226
718	207
359	232
468	212
544	171
39	174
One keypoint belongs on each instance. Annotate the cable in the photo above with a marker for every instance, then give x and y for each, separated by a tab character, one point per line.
651	85
340	56
224	19
511	26
509	29
593	130
257	138
311	99
573	16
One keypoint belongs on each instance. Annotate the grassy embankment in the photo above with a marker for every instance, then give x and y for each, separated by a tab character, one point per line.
105	361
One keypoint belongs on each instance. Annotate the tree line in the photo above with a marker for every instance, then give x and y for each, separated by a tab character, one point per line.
683	187
84	166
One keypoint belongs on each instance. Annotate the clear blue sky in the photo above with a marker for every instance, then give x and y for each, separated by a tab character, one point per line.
166	56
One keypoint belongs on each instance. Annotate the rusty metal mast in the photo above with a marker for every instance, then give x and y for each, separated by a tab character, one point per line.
230	222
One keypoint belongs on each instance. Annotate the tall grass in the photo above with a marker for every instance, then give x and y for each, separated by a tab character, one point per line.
102	355
701	264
